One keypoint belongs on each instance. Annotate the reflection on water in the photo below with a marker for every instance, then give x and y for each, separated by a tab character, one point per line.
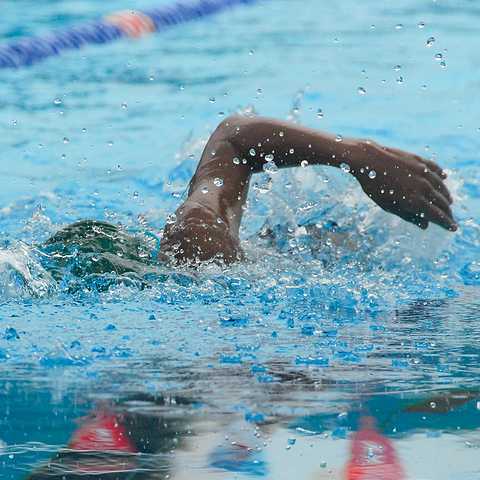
376	436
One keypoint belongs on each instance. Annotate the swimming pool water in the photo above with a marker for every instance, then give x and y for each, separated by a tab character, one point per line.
287	352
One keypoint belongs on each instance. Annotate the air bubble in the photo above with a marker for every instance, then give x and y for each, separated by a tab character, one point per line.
397	68
372	174
151	79
57	101
252	152
110	143
320	113
218	182
205	190
124	105
259	91
212	100
399	80
171	218
361	90
438	56
236	161
14	122
304	163
281	134
421	24
430	41
65	140
292	151
345	167
269	157
399	26
338	138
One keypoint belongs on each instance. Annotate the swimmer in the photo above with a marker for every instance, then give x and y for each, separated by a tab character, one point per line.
208	221
207	224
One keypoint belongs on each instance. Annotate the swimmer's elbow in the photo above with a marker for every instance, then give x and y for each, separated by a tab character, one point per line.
229	128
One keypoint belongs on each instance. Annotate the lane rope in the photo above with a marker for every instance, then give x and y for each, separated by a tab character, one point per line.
125	24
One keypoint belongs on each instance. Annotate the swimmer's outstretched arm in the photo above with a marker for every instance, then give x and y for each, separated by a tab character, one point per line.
208	222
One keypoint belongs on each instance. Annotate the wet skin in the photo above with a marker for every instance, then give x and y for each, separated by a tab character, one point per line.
207	224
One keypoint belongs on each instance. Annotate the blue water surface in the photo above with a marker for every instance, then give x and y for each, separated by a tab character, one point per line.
367	318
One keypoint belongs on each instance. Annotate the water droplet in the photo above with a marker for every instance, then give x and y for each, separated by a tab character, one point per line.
236	161
110	143
172	218
399	80
292	151
244	161
269	157
338	138
64	157
259	91
270	168
65	140
218	182
421	24
399	26
135	194
95	257
304	163
119	167
57	101
151	79
361	90
205	190
221	114
212	100
252	152
320	113
430	41
14	122
438	56
40	145
397	68
124	105
323	464
433	405
250	52
326	178
345	167
281	134
372	174
84	130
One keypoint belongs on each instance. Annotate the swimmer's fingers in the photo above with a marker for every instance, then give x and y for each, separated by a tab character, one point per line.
439	185
435	167
442	217
414	218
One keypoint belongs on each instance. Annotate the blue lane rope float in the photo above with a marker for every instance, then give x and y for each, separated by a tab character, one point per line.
125	24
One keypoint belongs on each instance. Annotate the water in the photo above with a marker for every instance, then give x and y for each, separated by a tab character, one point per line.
341	312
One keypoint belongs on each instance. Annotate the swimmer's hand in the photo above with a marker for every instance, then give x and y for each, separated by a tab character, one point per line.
403	183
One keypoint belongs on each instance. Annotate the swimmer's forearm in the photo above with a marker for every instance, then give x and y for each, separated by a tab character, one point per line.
259	140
